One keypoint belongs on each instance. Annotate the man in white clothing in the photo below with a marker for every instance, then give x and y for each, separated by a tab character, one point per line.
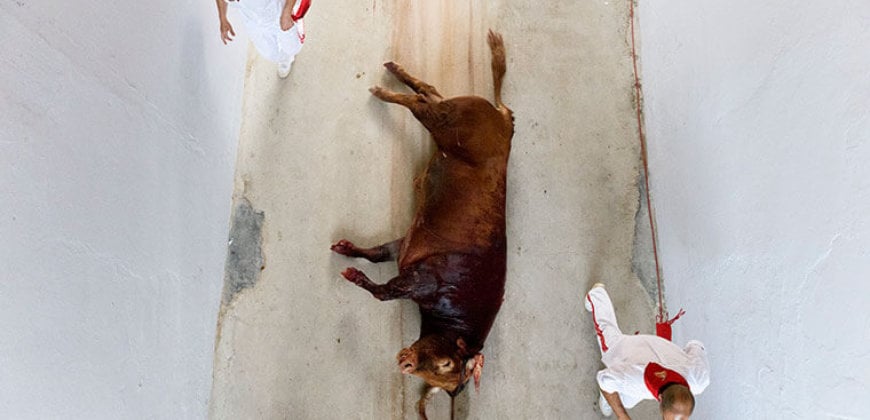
643	366
275	27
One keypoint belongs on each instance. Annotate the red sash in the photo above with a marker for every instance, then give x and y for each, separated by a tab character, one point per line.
657	376
663	326
303	9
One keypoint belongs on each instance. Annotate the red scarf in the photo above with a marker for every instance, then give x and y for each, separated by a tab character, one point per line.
657	377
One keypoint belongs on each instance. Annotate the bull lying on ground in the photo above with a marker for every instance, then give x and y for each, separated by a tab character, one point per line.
452	259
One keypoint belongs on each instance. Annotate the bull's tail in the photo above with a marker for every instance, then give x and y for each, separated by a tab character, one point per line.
499	67
424	399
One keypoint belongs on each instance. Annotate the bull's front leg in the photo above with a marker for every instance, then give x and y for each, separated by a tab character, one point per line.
400	287
386	252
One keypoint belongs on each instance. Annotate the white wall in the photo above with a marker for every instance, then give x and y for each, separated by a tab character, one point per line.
757	115
118	129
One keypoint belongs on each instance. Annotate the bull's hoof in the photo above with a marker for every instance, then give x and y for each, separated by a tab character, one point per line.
378	91
392	67
354	276
343	247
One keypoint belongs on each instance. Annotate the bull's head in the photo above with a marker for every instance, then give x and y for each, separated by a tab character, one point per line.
441	362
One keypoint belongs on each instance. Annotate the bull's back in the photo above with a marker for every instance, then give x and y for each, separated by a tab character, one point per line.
462	194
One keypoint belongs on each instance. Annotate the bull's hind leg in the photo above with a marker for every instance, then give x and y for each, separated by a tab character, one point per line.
386	252
499	67
406	100
430	114
417	85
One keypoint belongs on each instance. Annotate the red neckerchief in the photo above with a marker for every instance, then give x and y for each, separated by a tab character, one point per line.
657	376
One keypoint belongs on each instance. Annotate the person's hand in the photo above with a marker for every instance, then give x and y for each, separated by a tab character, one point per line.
287	21
623	417
226	31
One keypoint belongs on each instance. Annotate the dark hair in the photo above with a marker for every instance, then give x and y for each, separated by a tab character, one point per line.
671	393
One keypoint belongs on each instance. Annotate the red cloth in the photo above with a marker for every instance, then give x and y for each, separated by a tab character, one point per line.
657	376
663	328
303	8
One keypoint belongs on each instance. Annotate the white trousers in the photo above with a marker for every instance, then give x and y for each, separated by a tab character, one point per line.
262	23
604	318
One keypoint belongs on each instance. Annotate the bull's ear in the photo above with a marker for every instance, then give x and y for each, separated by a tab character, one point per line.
462	346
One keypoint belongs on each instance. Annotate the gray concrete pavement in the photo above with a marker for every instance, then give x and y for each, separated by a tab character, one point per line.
322	160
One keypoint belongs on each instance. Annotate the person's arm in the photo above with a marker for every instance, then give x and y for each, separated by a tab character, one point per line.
616	405
699	371
226	28
287	21
616	383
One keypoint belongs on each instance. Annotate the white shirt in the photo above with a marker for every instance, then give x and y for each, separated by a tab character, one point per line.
627	358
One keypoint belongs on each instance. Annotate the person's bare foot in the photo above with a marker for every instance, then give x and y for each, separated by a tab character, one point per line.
287	21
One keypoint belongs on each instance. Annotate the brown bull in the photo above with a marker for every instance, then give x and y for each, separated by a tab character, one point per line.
452	259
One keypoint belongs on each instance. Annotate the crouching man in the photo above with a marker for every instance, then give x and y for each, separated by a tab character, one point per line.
640	367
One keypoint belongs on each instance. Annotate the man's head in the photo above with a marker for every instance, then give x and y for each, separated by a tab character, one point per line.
677	402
